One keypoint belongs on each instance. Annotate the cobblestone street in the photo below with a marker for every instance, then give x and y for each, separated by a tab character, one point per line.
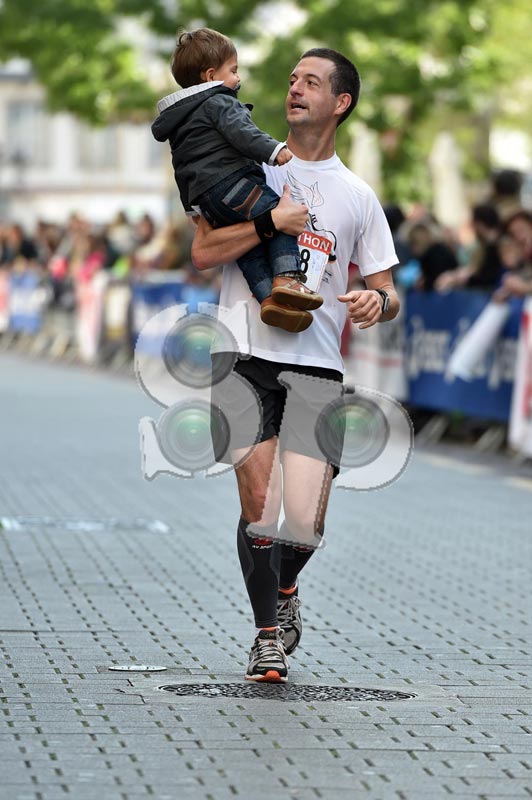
423	588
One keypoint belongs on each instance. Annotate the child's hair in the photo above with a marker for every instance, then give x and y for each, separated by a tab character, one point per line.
197	51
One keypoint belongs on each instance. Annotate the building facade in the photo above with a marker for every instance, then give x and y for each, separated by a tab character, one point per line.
52	165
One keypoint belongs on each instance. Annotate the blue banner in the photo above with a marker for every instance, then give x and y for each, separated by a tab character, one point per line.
27	299
434	325
148	300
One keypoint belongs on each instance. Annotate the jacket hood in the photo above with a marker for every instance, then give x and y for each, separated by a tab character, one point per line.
176	107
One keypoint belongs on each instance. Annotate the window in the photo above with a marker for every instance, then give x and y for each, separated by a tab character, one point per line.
98	147
27	133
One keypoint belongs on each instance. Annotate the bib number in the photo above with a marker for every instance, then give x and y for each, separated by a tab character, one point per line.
314	250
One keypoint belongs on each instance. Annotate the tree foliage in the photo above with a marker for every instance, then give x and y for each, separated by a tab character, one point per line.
417	58
76	54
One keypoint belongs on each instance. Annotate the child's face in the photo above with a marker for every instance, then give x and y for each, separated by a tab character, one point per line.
228	73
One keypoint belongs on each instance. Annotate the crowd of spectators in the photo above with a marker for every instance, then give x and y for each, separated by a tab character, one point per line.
73	253
494	253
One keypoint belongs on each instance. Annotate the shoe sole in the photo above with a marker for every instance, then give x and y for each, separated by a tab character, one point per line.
272	676
299	300
292	321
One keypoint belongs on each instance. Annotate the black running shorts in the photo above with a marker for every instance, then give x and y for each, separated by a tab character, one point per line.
312	391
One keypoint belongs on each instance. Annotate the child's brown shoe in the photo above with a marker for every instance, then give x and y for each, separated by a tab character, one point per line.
286	317
291	291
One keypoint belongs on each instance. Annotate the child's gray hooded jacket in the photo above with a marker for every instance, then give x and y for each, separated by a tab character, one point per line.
211	135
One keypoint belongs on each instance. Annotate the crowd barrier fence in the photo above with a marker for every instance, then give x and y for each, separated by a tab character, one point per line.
407	358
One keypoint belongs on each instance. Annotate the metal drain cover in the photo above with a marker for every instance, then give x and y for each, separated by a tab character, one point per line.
275	691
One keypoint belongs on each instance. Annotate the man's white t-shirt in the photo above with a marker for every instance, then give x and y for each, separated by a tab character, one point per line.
344	210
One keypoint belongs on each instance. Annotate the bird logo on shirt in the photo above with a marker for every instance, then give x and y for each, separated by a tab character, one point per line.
311	197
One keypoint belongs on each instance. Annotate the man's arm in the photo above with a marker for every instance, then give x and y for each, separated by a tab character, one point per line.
365	305
214	246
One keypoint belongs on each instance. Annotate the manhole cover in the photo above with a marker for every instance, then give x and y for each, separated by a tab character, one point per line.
136	668
260	691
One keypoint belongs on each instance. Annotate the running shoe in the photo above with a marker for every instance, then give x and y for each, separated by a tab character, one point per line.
290	620
267	658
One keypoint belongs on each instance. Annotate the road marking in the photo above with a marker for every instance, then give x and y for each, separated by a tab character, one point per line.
83	525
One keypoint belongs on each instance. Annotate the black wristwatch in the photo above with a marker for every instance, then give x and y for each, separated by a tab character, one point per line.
385	300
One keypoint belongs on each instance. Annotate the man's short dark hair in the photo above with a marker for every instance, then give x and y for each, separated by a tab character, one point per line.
197	51
344	77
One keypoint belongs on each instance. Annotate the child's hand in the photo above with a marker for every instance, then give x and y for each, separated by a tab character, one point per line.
283	156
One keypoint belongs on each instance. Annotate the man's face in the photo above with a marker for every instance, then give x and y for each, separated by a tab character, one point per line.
310	100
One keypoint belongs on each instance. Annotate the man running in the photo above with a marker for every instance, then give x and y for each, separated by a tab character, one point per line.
340	221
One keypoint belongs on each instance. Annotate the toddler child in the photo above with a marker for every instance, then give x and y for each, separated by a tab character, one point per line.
216	154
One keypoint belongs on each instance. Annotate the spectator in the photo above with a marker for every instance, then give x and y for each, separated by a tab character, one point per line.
20	251
506	192
144	230
485	267
434	256
516	255
396	218
70	243
120	234
519	227
99	255
47	239
169	249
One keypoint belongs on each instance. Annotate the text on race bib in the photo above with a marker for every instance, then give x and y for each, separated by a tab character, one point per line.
315	251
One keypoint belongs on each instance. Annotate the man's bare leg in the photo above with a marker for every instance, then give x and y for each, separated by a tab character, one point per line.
259	483
306	487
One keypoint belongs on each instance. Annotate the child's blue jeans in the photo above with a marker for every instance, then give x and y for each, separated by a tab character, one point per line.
243	196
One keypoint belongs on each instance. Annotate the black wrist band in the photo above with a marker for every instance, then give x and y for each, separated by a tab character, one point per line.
264	226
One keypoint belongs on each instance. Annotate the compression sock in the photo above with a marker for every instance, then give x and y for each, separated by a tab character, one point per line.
260	561
288	592
293	559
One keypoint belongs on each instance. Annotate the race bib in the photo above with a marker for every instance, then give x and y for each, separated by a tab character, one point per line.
315	251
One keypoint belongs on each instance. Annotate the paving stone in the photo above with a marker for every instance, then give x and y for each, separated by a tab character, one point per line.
412	592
